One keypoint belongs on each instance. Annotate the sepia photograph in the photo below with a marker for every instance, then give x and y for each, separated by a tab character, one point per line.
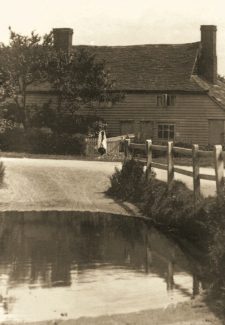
112	153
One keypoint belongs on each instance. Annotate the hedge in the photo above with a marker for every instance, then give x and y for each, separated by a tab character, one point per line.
174	212
42	141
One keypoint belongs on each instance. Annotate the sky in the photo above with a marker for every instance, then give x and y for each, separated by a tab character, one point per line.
118	22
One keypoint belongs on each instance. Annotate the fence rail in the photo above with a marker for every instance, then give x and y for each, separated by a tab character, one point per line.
195	153
113	145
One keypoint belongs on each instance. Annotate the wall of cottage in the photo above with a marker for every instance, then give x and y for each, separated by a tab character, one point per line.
190	116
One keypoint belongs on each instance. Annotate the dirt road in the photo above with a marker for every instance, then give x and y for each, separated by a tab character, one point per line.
47	184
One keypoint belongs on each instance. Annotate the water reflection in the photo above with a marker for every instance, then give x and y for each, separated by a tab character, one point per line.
86	265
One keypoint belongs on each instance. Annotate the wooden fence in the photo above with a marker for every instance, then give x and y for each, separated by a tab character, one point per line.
113	145
195	153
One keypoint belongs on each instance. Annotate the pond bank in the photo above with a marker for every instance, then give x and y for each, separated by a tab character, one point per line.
187	313
173	211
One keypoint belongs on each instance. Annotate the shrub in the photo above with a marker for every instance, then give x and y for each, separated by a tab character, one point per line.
172	208
70	144
215	212
13	140
173	211
127	183
42	141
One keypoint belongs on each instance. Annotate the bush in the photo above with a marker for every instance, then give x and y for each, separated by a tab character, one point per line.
174	211
13	140
127	183
215	213
42	141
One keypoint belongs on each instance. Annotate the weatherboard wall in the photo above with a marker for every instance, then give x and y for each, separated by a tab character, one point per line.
190	115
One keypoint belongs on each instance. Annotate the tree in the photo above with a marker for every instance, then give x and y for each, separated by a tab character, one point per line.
79	79
22	63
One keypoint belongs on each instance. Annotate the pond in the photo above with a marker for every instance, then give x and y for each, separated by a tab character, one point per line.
65	265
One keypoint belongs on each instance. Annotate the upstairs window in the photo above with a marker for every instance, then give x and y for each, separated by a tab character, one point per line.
165	100
166	131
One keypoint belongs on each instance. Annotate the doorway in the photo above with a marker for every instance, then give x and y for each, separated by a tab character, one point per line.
146	130
216	132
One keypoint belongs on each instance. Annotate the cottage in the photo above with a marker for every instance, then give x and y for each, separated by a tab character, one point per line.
172	91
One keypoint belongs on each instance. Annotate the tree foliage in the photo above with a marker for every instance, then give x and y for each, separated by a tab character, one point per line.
78	78
22	63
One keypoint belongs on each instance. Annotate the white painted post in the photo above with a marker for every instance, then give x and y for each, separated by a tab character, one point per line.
86	147
196	177
219	167
126	149
149	158
170	163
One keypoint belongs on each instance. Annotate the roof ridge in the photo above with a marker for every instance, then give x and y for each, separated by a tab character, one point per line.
139	45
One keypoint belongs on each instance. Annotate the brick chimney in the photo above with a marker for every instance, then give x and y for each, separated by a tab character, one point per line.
63	38
208	58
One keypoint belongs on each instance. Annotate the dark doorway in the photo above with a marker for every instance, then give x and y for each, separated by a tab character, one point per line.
216	132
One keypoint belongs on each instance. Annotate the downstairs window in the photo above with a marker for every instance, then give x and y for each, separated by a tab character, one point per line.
166	131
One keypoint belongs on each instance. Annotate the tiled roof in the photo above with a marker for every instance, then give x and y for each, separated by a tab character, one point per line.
216	92
149	67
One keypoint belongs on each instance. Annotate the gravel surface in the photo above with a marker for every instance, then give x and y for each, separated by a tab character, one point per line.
47	184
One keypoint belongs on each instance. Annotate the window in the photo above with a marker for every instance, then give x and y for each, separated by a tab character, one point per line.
166	131
165	100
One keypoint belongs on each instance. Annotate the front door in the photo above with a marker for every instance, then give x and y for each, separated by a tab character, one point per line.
146	130
216	132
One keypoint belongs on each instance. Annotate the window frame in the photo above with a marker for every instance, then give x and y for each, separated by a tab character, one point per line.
166	100
166	129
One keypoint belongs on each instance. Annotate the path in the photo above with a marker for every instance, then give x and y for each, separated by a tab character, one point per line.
49	184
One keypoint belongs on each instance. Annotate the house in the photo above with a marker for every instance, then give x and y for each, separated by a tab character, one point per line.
172	91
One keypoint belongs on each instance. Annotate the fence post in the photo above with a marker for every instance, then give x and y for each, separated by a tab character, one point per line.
219	167
196	177
170	168
126	149
149	158
86	147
